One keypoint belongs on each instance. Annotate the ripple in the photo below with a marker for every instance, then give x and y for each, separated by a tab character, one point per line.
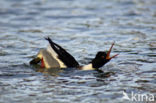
142	81
31	30
146	61
82	28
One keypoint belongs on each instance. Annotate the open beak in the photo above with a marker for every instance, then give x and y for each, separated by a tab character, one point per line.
108	54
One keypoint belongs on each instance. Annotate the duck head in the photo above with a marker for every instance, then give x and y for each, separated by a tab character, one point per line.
102	58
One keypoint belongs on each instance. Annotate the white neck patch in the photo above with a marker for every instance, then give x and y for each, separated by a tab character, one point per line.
88	67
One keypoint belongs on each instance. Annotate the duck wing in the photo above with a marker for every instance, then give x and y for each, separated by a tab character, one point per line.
49	60
62	54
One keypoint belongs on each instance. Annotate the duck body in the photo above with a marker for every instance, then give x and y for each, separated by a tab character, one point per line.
54	56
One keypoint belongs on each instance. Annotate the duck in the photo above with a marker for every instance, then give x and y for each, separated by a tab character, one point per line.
54	56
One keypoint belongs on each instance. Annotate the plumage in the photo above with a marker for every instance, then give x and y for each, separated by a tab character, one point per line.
63	55
87	67
54	56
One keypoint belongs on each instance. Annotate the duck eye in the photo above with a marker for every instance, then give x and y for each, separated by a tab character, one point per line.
102	57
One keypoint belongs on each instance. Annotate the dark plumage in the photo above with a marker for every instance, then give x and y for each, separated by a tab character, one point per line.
63	55
57	57
100	59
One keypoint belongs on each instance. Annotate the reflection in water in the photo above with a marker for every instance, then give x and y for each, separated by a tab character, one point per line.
71	72
53	72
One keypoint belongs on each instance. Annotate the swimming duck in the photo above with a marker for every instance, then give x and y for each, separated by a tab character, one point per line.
57	57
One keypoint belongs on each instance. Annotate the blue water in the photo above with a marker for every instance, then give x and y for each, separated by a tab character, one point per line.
82	27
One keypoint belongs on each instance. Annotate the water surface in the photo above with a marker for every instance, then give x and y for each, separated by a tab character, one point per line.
83	27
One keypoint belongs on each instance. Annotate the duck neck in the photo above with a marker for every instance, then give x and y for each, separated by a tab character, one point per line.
87	67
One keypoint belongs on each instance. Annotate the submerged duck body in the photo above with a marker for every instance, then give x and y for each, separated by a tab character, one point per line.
54	56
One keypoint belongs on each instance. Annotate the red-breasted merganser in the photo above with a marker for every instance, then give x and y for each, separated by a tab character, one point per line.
57	57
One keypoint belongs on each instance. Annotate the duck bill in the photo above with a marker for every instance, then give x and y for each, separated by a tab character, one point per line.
108	54
113	56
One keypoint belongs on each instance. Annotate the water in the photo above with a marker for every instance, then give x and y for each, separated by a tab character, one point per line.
83	27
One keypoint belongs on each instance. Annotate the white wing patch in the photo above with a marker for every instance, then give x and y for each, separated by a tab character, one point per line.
54	55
